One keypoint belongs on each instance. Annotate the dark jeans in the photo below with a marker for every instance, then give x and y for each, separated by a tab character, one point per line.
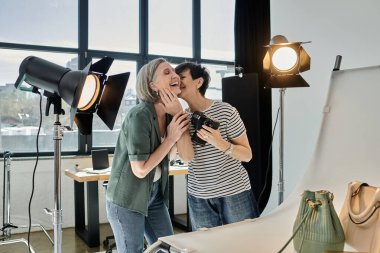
214	212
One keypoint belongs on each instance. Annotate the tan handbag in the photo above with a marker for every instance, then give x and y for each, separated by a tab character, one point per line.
360	217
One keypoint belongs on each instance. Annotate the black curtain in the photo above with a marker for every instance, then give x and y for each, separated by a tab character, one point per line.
252	32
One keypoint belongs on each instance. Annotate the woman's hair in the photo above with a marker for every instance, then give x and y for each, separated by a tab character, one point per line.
196	71
146	75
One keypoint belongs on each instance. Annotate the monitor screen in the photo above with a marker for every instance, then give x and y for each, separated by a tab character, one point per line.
100	159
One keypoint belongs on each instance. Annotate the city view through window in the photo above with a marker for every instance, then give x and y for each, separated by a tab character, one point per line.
41	34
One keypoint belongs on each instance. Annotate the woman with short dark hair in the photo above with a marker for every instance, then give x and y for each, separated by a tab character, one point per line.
219	190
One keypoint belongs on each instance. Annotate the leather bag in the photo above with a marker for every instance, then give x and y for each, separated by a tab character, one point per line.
317	226
360	217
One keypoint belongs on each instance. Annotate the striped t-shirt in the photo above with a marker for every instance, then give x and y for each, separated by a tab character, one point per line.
213	174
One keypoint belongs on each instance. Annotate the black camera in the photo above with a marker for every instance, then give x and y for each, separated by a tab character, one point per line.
198	119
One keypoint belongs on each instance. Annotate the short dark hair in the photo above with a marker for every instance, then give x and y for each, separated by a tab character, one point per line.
196	71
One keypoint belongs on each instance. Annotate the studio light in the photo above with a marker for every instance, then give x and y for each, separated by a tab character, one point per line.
283	62
86	91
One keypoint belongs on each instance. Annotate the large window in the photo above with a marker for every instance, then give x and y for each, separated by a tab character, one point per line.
217	72
217	30
19	109
39	22
114	25
170	27
71	33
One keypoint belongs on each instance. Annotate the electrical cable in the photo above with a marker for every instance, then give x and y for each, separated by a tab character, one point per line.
34	171
270	149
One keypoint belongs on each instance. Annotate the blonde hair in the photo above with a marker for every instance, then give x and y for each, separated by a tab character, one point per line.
145	76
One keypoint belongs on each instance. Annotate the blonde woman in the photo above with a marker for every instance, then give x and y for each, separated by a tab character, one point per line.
137	192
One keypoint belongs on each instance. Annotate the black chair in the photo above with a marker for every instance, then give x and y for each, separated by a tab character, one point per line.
106	242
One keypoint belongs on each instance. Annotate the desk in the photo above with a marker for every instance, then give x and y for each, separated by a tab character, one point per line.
91	234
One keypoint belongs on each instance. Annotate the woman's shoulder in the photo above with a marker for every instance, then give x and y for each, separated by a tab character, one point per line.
140	109
139	113
222	105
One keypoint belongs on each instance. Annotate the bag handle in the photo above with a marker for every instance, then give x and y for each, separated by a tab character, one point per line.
312	206
369	211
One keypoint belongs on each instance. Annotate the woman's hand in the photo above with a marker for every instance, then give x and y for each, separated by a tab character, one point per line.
210	135
241	149
170	101
178	125
175	129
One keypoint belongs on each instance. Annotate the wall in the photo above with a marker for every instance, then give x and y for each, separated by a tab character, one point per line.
341	27
21	185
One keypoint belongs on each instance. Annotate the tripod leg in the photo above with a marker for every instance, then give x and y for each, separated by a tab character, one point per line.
22	240
43	229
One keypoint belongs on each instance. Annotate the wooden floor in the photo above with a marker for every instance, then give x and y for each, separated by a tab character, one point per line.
70	242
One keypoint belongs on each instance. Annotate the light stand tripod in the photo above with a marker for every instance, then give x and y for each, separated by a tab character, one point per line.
284	61
281	150
7	225
86	91
58	134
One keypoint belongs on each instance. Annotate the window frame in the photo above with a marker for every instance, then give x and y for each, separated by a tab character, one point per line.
85	55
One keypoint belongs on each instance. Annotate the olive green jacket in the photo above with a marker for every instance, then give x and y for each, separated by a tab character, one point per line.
138	138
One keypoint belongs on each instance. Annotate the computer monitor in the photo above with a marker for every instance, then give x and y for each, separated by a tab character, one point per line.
100	159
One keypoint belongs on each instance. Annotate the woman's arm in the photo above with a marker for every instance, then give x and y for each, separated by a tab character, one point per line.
185	147
142	168
175	130
240	149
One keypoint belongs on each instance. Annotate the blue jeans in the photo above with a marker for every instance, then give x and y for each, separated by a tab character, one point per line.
214	212
129	227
